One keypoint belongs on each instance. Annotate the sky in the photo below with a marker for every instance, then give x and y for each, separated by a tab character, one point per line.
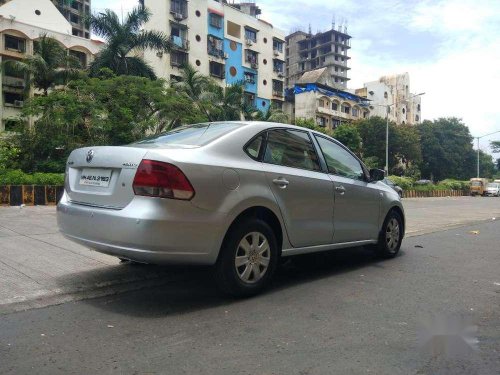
450	48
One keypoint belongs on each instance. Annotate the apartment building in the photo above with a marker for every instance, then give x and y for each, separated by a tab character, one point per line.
307	51
391	94
315	96
75	11
226	41
22	22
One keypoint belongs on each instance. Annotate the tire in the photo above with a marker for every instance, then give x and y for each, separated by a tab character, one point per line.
389	247
256	268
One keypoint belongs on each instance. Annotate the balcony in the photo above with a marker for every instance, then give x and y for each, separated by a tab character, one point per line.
180	43
13	82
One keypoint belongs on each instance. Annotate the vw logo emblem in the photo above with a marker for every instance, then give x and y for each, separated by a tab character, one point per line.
90	156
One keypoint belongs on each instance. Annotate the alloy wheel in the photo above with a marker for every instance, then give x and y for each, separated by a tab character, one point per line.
253	255
392	235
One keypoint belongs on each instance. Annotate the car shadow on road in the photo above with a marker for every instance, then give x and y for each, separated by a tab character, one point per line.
193	289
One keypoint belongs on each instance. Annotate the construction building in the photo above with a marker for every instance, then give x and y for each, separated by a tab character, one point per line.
225	40
306	51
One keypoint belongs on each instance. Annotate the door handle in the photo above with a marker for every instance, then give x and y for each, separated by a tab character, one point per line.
281	182
340	189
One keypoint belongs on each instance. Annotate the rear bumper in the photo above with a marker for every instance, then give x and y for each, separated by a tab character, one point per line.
148	230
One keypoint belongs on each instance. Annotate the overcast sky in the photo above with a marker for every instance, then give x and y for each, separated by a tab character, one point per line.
450	48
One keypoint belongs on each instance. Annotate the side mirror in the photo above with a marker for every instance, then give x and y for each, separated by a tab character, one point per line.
376	175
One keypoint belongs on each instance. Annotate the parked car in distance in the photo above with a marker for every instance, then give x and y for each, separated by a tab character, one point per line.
423	182
478	186
492	189
394	186
235	195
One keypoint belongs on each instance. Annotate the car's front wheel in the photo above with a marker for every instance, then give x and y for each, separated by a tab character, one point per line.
391	235
248	258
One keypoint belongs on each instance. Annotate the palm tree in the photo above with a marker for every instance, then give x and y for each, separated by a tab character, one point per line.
124	40
272	115
49	66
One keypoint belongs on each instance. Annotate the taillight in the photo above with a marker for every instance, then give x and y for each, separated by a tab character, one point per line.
157	179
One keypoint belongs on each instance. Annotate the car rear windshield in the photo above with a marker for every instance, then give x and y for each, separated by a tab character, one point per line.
494	186
192	135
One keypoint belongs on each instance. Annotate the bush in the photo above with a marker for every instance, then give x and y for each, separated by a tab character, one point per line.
454	184
404	183
18	177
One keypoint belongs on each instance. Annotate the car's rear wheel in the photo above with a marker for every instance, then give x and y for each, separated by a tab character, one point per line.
391	235
248	258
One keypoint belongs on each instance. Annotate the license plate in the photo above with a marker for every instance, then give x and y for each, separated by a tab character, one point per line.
95	177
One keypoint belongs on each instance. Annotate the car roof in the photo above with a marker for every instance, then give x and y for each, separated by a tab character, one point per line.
273	125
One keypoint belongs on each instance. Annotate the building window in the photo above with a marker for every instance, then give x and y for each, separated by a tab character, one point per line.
233	29
74	18
277	88
278	65
249	98
250	34
335	106
321	103
13	99
385	95
178	58
418	107
277	45
355	112
81	56
277	104
178	7
249	78
321	121
365	114
335	123
215	46
404	111
15	44
216	69
346	108
251	58
417	118
215	20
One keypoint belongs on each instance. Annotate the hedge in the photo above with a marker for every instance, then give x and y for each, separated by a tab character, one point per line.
407	183
18	177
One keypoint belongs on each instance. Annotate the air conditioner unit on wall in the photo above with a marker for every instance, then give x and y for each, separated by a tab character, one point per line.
276	53
226	56
248	42
254	66
281	75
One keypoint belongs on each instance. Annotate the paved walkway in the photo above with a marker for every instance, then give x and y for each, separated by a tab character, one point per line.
39	267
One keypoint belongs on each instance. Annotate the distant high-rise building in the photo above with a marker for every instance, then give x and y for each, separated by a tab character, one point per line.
306	51
75	11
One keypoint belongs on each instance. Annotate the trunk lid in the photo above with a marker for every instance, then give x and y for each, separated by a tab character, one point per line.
102	176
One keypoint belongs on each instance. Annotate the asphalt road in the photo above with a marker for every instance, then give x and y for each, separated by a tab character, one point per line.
347	313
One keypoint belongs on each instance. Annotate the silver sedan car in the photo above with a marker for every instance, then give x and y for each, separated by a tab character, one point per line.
235	195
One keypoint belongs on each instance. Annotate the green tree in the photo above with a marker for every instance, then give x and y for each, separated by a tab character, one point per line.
495	146
92	111
349	136
49	66
446	149
125	41
271	115
486	165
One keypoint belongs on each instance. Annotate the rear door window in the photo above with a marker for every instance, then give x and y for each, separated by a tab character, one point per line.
291	148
